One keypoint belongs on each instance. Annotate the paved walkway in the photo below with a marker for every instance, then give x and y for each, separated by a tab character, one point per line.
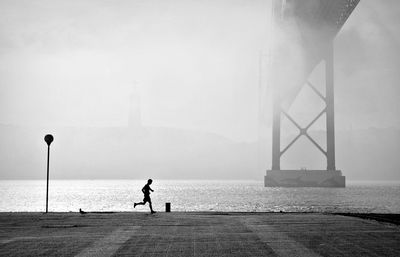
195	234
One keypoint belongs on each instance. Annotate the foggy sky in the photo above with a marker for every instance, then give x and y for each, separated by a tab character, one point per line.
73	63
193	64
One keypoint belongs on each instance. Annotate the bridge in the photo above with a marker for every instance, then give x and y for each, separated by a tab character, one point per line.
316	22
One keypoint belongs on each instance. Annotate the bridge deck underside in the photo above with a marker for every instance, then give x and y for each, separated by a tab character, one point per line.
319	22
323	13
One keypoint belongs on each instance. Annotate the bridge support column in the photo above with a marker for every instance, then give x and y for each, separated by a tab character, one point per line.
330	109
307	178
276	133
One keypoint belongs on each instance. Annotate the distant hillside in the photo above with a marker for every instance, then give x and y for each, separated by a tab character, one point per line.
371	154
167	153
113	153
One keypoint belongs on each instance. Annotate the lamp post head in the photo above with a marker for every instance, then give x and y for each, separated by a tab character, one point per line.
48	138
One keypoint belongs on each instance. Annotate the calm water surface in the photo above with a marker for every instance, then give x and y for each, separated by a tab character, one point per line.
192	195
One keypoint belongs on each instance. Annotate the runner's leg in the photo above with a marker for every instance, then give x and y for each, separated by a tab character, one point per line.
141	203
151	207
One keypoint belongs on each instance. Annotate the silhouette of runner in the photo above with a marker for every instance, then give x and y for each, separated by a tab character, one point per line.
146	191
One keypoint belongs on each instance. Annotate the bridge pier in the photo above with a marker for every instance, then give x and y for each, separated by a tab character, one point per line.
307	178
317	25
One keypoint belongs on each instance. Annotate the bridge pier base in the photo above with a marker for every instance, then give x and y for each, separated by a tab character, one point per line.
304	178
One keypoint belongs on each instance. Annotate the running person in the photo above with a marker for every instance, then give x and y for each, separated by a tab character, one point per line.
146	191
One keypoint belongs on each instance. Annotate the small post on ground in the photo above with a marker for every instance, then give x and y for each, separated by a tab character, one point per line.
167	207
48	139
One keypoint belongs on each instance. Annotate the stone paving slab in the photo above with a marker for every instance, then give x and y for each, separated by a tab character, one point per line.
195	234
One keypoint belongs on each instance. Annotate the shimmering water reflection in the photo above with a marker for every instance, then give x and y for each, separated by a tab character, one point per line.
192	195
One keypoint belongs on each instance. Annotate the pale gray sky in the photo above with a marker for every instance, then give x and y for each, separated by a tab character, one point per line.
195	64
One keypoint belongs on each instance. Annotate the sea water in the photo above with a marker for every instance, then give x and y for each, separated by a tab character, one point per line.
194	195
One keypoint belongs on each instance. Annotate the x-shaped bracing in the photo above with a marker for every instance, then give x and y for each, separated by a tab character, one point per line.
304	131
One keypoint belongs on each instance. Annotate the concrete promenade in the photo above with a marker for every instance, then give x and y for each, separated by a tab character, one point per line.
195	234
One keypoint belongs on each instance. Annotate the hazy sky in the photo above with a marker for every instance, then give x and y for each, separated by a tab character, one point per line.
195	63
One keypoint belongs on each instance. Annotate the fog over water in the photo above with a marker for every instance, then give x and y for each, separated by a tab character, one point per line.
179	90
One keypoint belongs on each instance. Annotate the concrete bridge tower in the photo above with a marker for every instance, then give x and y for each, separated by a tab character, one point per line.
316	22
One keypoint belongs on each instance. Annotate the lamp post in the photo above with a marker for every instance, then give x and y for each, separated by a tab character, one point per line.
48	138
